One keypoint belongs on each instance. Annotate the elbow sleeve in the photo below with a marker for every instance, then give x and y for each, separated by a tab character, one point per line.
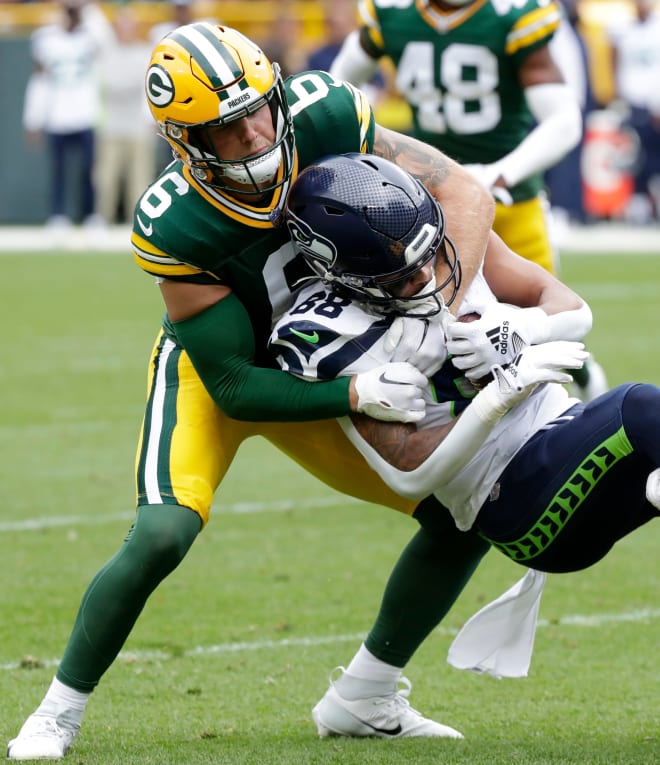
352	63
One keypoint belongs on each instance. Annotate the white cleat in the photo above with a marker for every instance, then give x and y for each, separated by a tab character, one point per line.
42	737
387	716
596	384
653	488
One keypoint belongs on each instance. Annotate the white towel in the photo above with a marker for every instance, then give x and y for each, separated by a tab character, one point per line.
499	639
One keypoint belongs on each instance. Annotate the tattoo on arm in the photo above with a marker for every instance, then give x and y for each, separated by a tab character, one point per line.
427	164
401	445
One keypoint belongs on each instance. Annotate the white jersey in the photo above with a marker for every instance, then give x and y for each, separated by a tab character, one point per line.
638	61
324	336
69	99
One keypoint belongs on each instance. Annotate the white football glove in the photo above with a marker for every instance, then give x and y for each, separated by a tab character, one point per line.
487	175
536	364
496	338
418	341
392	392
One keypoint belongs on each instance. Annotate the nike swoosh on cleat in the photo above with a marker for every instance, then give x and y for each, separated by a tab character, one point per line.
386	731
313	338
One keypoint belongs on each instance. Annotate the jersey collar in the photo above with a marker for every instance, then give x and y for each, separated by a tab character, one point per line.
257	217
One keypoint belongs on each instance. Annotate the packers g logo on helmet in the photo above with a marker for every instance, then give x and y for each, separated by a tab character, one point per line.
159	86
204	75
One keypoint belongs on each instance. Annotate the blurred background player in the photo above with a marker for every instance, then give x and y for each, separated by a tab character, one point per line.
62	103
182	12
483	87
636	63
126	136
564	179
283	42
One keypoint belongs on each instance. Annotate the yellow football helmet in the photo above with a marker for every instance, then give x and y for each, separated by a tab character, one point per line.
203	75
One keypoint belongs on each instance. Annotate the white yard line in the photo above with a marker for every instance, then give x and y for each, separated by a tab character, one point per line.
574	620
236	508
601	238
239	508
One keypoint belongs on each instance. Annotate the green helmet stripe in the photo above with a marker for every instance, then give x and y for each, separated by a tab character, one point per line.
210	55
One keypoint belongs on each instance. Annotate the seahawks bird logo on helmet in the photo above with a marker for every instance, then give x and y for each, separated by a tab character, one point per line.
202	76
318	251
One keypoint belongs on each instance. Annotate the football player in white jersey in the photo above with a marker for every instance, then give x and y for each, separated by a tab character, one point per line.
542	476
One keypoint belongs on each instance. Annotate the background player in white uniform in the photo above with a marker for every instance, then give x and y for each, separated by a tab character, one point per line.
62	103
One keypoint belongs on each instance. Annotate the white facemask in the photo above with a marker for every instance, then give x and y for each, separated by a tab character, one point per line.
261	169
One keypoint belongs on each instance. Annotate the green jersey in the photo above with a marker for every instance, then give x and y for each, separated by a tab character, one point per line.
458	70
185	231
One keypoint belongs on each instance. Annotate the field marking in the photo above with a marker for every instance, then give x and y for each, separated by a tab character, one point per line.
133	657
235	508
599	238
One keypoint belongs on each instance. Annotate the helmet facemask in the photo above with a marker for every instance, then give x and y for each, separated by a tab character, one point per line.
258	173
383	292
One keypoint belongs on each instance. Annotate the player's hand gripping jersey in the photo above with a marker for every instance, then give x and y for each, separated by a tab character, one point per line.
458	70
323	336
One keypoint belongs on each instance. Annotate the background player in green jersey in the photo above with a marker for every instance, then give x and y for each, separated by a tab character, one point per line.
483	87
209	229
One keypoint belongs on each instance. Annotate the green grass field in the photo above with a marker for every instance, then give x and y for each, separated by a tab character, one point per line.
234	649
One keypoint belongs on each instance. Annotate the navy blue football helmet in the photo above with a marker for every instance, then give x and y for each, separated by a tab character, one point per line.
365	226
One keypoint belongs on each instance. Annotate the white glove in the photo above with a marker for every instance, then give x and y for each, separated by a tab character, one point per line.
392	392
536	364
418	341
487	175
496	338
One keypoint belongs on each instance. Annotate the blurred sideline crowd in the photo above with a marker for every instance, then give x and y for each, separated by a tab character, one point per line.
85	97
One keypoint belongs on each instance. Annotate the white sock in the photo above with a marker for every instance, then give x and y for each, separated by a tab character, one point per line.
367	676
60	699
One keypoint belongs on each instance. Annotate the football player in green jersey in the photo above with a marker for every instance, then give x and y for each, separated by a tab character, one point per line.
483	88
210	230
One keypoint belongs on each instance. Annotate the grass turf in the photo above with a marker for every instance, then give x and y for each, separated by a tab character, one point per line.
234	648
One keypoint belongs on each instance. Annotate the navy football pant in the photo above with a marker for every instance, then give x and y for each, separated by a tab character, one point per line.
578	485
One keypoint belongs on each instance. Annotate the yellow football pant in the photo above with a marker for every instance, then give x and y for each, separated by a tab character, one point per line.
524	228
187	444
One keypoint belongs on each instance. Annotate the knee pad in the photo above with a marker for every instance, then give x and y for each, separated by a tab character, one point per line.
162	535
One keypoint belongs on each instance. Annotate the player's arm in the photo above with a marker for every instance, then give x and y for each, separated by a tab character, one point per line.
415	463
525	284
215	329
556	111
535	308
356	62
35	105
468	207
